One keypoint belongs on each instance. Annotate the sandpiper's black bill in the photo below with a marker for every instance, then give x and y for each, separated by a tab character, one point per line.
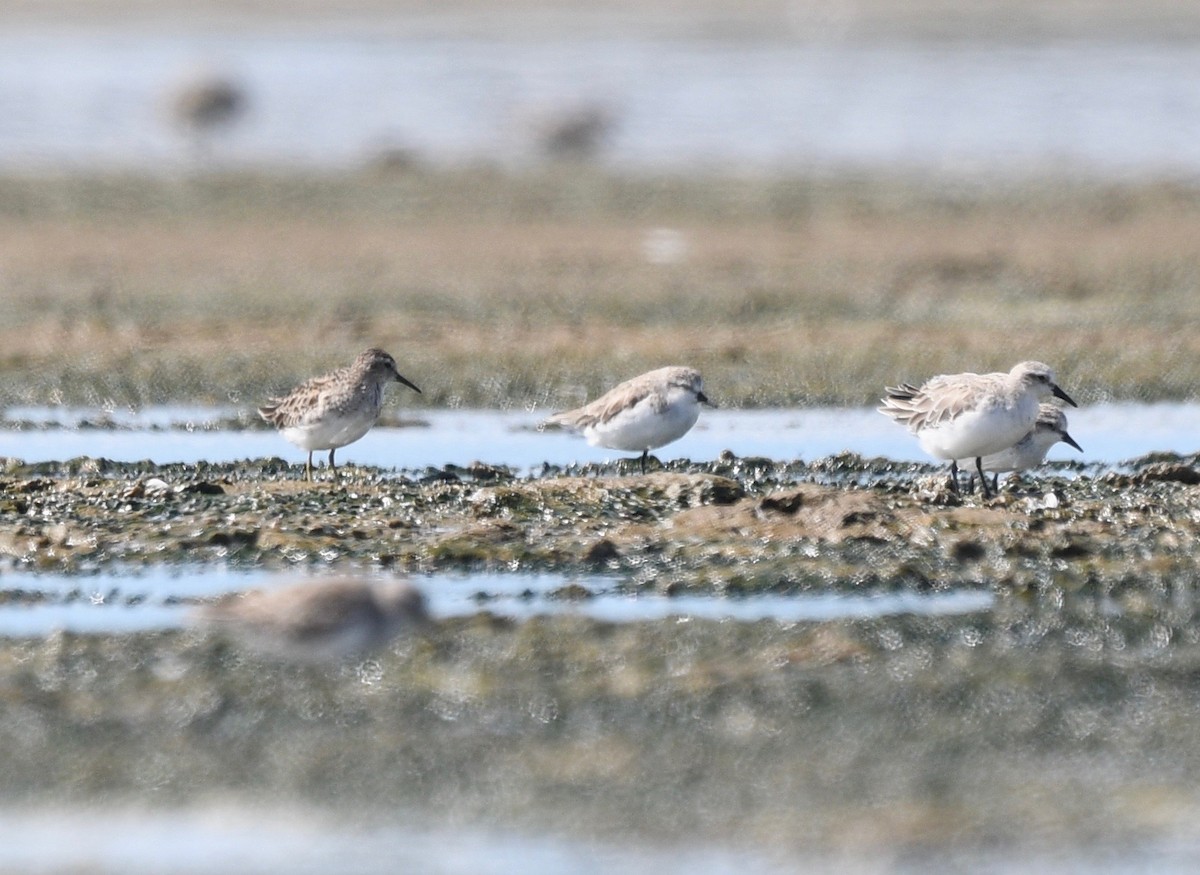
1067	439
400	379
1059	393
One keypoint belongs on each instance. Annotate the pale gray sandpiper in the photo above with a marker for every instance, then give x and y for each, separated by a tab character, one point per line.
969	416
641	414
320	621
1030	451
335	409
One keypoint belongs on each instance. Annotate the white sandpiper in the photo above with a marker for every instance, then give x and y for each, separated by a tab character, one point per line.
335	409
969	416
1030	451
641	414
320	621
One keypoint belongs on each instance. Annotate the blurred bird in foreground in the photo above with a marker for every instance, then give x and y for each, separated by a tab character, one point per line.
320	621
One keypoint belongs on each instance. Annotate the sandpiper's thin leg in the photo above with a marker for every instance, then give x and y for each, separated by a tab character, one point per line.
983	485
954	476
645	453
308	467
996	482
332	467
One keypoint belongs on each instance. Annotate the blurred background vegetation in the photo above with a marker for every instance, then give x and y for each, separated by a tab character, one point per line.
502	289
178	226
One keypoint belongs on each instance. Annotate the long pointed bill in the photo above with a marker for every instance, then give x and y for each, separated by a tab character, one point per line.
1067	439
1059	393
400	379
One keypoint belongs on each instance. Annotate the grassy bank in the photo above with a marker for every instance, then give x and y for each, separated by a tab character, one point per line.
495	289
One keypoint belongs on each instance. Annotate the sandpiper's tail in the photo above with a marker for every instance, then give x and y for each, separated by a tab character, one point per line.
900	402
270	411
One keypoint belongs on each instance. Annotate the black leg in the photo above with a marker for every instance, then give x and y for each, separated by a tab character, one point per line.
995	482
983	487
308	467
954	476
332	467
645	453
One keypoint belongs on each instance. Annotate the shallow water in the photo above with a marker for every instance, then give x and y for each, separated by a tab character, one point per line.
226	839
249	841
161	598
1109	434
89	98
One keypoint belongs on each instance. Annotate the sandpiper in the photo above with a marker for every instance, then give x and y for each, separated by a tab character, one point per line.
1030	451
969	416
643	413
320	621
335	409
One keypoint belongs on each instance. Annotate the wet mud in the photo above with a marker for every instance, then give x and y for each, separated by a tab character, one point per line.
1063	715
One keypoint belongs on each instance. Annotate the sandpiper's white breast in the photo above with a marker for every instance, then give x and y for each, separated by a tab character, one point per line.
644	426
331	432
336	417
1029	452
987	429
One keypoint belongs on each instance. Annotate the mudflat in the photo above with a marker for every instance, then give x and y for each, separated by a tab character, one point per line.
1056	721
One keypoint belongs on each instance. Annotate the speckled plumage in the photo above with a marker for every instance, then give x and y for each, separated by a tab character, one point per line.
335	409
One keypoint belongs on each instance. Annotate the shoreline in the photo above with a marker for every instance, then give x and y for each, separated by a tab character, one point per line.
768	21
